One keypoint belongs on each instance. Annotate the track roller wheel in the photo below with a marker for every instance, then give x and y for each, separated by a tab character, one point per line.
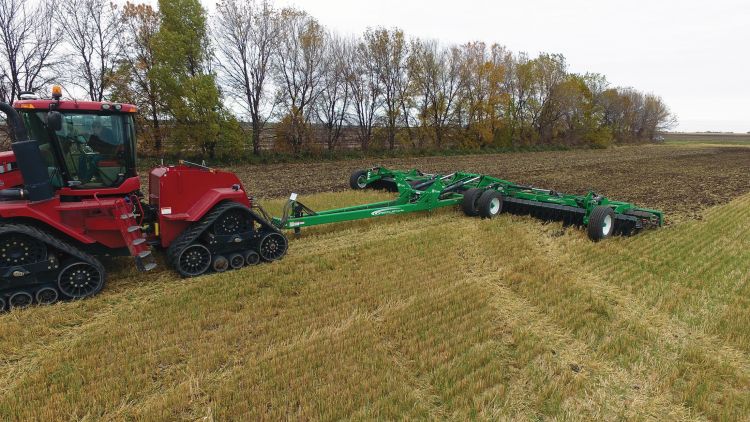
358	180
79	280
252	258
236	261
193	261
470	202
490	203
601	223
20	300
272	246
21	249
232	222
220	263
46	296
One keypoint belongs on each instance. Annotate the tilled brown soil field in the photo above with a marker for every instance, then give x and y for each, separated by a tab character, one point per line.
680	180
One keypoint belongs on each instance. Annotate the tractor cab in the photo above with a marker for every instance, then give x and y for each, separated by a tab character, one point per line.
83	144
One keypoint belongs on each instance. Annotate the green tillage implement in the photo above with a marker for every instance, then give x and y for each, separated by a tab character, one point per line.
478	195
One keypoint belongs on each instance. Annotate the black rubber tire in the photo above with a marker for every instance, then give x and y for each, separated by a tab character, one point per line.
601	223
356	180
470	202
490	203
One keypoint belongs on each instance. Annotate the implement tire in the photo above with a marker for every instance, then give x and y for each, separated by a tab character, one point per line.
490	203
470	202
357	180
601	223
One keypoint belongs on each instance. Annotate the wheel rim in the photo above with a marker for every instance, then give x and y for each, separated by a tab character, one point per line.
273	246
236	261
233	222
220	264
46	296
494	206
252	258
362	181
79	280
19	249
607	225
20	300
194	260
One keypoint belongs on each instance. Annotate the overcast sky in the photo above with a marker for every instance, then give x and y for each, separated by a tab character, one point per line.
694	54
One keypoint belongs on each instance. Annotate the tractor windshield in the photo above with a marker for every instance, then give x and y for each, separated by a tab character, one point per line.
90	150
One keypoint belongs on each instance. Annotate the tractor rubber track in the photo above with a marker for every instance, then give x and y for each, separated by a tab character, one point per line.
59	246
193	233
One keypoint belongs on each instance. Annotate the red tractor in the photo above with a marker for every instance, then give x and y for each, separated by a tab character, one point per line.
70	192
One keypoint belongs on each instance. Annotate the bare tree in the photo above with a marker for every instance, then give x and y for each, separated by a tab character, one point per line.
362	76
28	39
299	70
389	51
247	35
91	30
333	101
437	75
655	117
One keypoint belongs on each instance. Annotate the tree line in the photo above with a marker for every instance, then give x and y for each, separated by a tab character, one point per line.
221	84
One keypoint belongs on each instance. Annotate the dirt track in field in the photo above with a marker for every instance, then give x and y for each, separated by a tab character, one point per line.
680	180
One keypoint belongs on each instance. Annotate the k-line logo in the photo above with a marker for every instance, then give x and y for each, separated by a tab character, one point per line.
386	211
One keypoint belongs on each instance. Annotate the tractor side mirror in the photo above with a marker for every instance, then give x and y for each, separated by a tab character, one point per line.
55	120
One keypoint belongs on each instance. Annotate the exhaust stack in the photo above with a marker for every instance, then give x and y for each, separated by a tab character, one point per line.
28	158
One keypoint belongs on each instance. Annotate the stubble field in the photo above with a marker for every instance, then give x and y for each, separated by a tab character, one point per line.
426	316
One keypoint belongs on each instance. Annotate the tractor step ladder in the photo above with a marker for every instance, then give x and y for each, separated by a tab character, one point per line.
133	236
